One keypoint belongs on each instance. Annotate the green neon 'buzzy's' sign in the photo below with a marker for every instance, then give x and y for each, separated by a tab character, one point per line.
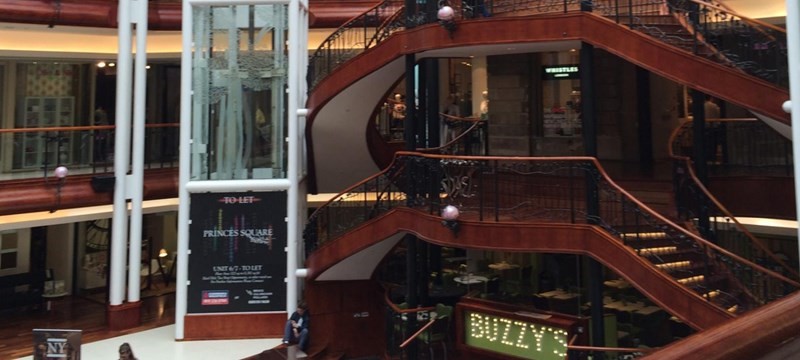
518	338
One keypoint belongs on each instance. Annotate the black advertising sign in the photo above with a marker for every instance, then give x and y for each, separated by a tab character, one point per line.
238	259
56	344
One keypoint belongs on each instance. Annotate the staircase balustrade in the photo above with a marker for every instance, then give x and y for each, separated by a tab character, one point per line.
466	136
707	29
356	35
740	147
756	47
756	150
524	190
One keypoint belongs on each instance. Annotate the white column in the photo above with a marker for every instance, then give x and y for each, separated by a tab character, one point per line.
136	185
292	171
182	276
793	43
119	225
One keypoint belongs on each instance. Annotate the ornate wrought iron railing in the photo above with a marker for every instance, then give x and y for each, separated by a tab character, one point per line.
708	29
356	35
518	190
744	146
755	149
753	46
398	317
463	136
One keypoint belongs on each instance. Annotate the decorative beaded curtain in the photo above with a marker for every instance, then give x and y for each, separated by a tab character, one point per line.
239	81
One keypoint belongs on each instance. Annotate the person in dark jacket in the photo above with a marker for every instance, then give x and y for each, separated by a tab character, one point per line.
296	329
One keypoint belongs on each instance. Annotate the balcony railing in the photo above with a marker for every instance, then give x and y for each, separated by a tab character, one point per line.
83	149
356	35
572	190
707	29
744	146
463	136
753	46
737	147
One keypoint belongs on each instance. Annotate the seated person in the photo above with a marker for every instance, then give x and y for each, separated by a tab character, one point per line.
296	329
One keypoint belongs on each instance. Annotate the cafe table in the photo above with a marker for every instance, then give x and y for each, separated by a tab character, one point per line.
470	279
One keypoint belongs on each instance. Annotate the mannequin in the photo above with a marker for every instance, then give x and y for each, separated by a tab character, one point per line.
398	111
449	126
484	105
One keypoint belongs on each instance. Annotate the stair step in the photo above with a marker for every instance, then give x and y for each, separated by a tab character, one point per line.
715	296
675	265
666	255
643	235
682	268
692	280
661	245
663	250
711	295
704	285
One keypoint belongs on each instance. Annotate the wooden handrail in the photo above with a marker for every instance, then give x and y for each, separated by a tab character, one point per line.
476	122
745	18
599	348
416	334
725	212
396	309
460	118
750	336
79	128
708	245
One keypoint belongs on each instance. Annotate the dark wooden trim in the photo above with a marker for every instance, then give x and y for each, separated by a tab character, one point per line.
347	318
752	336
161	15
721	81
542	237
234	326
125	316
672	63
771	197
724	82
30	195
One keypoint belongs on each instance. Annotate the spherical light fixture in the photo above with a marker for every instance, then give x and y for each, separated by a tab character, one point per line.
61	172
450	213
447	19
446	13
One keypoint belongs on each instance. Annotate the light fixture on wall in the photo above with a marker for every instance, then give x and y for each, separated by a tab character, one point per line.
447	17
162	253
450	215
60	173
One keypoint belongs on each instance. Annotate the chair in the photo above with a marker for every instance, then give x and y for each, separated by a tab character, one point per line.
440	330
147	272
493	286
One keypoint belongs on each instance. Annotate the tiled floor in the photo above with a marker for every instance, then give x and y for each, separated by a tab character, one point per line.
159	343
